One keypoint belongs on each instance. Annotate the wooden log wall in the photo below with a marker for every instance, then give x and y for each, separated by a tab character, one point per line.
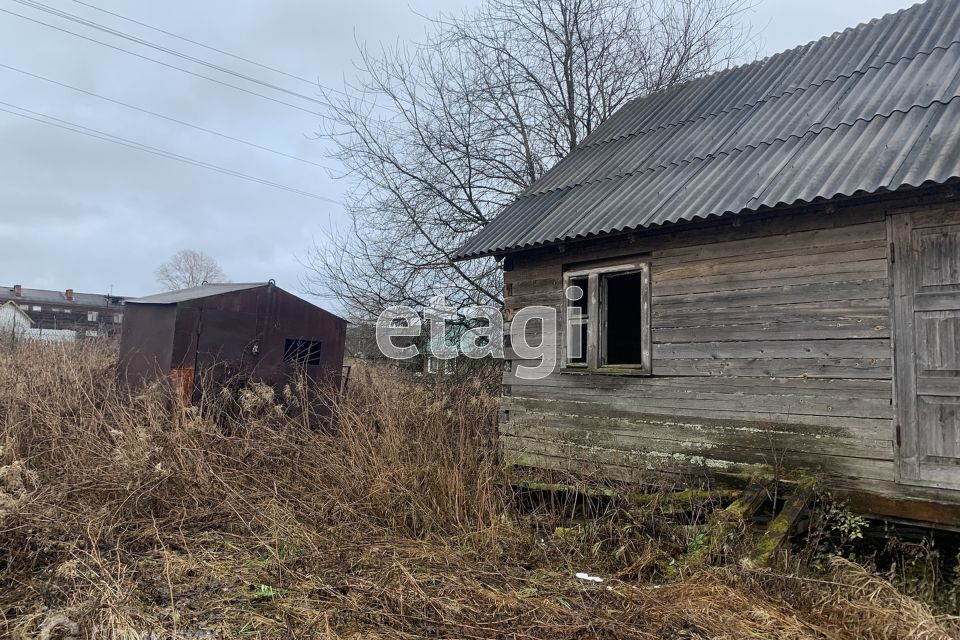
771	346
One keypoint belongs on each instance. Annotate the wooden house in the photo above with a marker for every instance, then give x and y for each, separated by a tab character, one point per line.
771	261
63	313
237	331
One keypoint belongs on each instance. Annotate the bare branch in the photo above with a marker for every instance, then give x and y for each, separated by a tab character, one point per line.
189	268
440	135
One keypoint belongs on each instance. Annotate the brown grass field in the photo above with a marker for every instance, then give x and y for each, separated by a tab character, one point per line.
124	516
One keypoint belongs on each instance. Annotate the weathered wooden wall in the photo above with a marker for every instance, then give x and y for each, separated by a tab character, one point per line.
74	317
772	345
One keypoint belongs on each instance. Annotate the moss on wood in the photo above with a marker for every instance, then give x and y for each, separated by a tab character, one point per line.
779	528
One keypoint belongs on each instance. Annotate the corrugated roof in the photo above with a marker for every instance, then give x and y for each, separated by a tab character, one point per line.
194	293
875	107
47	296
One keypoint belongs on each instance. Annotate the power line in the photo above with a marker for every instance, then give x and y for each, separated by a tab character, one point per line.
173	52
199	44
133	144
164	117
162	63
226	53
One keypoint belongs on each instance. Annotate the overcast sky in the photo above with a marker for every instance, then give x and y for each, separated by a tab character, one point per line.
79	212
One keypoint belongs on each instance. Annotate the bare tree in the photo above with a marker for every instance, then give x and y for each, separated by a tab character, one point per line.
438	136
189	268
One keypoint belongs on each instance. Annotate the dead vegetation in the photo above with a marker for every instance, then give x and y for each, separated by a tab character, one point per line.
122	517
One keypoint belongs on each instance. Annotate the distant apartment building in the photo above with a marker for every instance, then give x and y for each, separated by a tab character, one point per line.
88	314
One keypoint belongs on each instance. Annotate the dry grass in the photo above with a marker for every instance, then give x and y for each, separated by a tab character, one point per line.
120	517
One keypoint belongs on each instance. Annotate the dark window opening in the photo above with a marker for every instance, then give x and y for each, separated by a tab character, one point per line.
301	352
622	306
577	320
607	319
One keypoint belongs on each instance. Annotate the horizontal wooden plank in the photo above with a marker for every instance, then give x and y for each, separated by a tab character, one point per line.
754	368
638	468
528	284
926	217
777	407
857	348
769	283
780	259
840	413
724	460
550	298
754	242
631	385
871	368
938	386
848	329
758	239
868	311
871	289
690	437
825	274
946	301
587	470
871	327
687	239
780	300
757	325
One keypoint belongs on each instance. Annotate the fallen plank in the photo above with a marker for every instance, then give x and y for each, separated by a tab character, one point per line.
724	523
746	505
669	502
780	527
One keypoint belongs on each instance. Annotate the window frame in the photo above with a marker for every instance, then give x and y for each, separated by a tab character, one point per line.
597	320
293	351
583	322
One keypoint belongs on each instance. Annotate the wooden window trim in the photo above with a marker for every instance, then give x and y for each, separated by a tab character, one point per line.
596	353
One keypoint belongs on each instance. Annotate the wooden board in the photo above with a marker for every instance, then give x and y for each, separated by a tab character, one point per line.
774	335
926	287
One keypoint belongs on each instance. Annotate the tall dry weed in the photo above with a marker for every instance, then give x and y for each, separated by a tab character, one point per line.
123	515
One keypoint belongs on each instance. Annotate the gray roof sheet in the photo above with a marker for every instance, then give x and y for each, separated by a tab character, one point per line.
875	107
47	296
194	293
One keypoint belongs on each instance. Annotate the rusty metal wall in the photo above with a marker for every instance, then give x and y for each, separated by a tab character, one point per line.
240	333
146	342
290	317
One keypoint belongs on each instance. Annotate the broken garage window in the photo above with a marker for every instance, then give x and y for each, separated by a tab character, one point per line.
301	352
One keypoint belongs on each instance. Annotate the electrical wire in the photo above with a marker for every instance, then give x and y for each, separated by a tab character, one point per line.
162	63
125	142
197	43
164	117
173	52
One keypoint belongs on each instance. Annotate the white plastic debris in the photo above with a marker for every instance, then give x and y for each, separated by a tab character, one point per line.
587	576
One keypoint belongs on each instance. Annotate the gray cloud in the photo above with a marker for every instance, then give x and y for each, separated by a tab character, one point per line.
78	212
